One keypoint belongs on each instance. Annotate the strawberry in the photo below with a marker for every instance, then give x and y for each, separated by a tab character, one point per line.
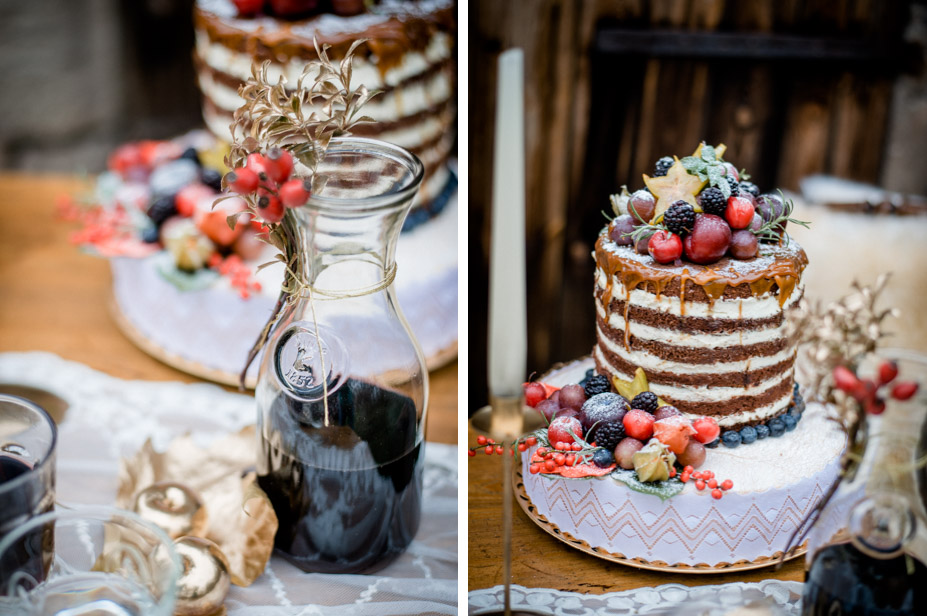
674	432
190	195
706	429
739	212
638	424
124	158
560	428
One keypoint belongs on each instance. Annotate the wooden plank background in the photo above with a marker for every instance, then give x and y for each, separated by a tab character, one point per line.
595	121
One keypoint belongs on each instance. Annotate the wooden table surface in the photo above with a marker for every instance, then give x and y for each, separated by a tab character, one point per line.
541	561
55	298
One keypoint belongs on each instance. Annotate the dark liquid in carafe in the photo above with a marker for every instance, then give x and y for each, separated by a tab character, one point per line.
843	581
30	555
347	488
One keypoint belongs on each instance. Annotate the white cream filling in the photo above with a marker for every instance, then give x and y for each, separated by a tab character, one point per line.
394	105
760	307
223	59
651	362
713	394
676	338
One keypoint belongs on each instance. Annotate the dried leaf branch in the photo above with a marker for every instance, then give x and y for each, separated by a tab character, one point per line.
323	105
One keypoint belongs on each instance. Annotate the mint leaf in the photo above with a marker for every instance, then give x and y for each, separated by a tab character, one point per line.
708	153
663	489
724	186
714	174
691	163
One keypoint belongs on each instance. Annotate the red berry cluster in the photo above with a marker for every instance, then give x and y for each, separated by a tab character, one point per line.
489	446
706	479
562	454
867	391
240	275
266	178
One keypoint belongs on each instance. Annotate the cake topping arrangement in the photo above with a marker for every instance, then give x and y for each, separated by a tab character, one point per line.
698	210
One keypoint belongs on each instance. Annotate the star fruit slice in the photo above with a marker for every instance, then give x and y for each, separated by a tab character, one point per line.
630	389
678	184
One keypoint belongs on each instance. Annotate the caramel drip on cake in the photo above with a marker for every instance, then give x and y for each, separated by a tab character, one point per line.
699	283
702	353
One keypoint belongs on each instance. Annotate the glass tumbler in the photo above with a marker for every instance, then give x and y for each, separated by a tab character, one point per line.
28	439
103	561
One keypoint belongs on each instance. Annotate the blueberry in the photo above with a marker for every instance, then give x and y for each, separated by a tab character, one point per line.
150	235
713	444
211	178
776	427
603	458
589	373
190	154
748	435
731	438
762	431
789	421
795	387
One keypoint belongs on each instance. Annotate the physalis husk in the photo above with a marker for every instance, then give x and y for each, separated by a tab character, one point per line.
630	389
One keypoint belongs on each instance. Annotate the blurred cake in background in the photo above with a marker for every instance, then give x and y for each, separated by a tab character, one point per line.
409	55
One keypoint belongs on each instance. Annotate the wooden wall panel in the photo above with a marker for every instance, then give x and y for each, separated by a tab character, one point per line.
595	121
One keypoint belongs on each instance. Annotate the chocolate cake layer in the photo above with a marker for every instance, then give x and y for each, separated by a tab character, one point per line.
745	378
694	355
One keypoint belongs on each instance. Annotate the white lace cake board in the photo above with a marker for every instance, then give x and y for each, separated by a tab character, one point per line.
714	600
108	418
171	324
749	526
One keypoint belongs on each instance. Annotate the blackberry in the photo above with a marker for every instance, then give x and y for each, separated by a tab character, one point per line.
190	154
748	435
609	435
645	401
603	459
161	209
712	201
679	218
211	178
662	166
731	439
735	187
749	187
596	384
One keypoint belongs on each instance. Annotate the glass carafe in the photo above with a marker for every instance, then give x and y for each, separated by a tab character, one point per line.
868	549
342	386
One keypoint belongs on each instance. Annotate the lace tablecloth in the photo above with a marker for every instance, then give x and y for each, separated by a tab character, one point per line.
774	596
109	418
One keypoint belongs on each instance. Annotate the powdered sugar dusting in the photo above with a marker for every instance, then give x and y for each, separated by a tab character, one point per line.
768	255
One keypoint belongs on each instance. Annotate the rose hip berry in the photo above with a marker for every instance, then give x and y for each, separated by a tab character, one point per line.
664	247
279	164
242	180
295	192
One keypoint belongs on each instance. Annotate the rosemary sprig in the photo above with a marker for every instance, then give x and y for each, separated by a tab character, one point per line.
768	230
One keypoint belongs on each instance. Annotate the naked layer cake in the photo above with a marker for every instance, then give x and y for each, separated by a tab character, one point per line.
408	55
684	423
